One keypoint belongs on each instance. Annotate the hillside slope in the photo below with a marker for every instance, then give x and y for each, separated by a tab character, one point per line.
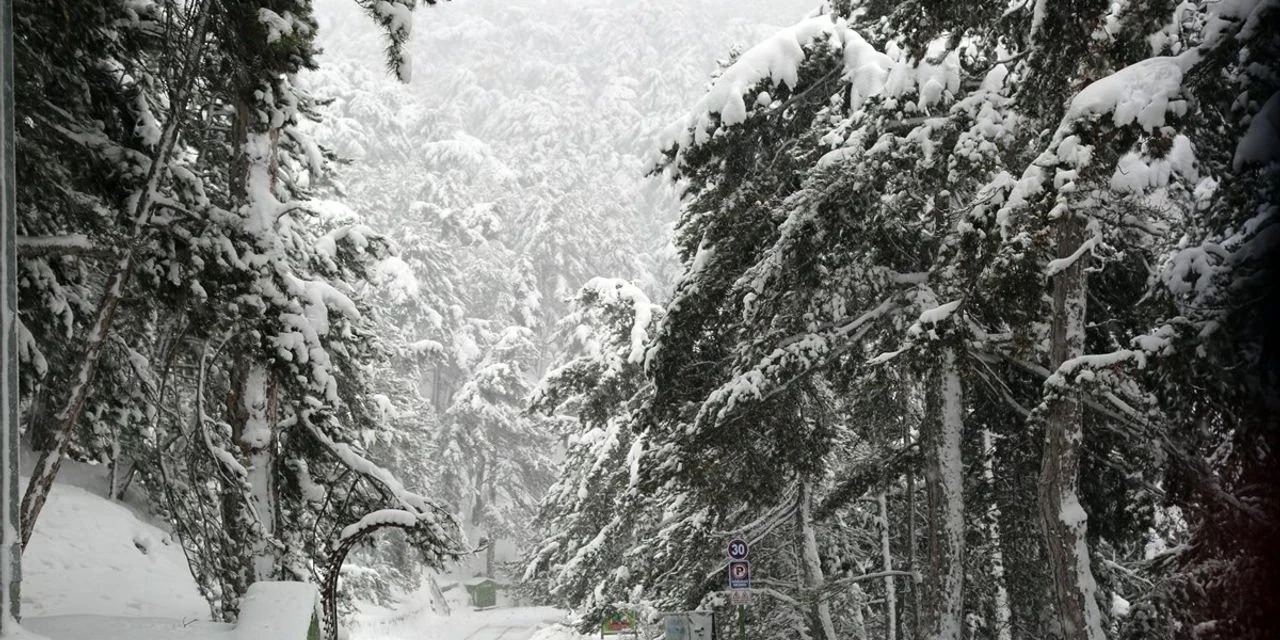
92	556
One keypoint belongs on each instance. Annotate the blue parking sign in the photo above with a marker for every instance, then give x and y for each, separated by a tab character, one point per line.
739	574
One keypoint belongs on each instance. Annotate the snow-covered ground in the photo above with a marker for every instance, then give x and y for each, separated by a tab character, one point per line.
517	623
416	619
91	556
97	569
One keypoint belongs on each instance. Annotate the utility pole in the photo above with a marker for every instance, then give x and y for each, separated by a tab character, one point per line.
10	548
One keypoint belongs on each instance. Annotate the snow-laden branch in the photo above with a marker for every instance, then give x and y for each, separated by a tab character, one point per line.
784	508
803	355
1207	480
778	60
924	325
225	460
380	518
776	595
612	291
1261	142
836	585
1144	94
1059	265
74	244
828	590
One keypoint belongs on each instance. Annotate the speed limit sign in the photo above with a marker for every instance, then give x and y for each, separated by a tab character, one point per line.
738	549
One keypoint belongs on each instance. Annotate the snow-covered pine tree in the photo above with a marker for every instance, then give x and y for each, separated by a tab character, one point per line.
493	458
988	201
1216	383
231	289
135	153
590	391
849	272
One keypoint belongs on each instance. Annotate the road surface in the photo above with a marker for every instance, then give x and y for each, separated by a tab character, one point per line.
501	632
515	623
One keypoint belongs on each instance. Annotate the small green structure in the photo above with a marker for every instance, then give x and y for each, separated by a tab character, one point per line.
620	623
483	592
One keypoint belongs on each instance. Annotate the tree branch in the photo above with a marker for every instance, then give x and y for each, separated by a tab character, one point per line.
74	244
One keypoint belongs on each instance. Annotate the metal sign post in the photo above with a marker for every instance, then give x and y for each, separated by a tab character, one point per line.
740	581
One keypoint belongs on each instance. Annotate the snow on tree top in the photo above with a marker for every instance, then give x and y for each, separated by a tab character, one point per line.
777	59
1140	93
1223	15
933	80
399	17
611	289
281	25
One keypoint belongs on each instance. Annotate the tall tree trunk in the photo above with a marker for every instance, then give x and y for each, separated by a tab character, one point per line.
944	484
1061	514
236	520
256	437
914	629
491	552
239	181
820	624
890	590
46	468
249	512
1003	614
477	519
50	460
113	465
859	599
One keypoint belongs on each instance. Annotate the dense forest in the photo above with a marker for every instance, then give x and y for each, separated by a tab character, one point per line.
963	315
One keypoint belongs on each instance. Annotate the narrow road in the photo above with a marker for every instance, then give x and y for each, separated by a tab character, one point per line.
495	632
515	623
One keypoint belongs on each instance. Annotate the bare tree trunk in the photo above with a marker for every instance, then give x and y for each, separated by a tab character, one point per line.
491	553
257	440
859	621
890	590
944	484
477	519
820	624
113	465
1061	514
1003	615
235	517
46	468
